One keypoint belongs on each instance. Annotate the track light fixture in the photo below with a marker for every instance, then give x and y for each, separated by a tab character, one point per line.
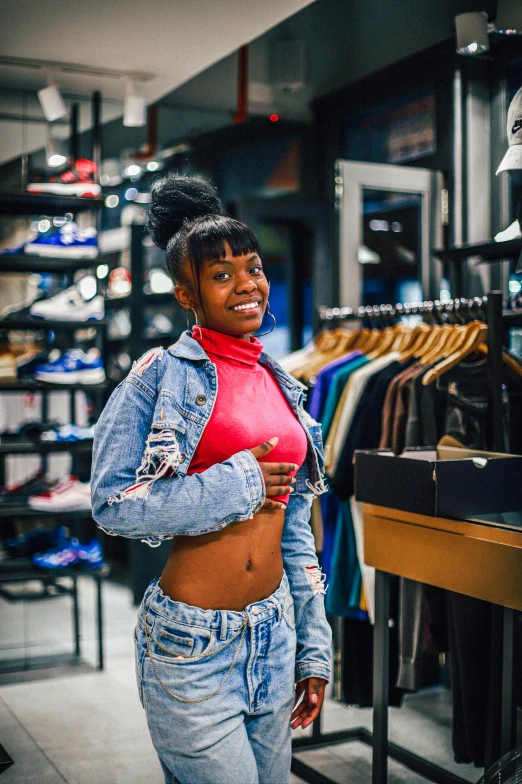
52	103
472	33
135	106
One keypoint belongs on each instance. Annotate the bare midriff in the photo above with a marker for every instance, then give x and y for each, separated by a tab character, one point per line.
229	569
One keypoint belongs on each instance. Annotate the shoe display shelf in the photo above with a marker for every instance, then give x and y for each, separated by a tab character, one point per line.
25	262
50	585
19	571
23	203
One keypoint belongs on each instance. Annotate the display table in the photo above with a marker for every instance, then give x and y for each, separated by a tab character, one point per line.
481	560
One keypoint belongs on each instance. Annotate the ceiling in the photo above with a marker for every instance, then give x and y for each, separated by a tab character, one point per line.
345	40
169	40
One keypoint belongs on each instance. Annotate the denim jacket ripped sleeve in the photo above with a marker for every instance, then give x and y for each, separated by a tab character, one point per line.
150	429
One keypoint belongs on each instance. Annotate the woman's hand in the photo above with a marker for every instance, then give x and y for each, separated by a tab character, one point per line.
275	475
306	711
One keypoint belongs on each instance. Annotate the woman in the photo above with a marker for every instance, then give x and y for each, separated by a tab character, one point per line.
208	442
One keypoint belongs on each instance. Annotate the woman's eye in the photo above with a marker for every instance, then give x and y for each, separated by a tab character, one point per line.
257	269
222	276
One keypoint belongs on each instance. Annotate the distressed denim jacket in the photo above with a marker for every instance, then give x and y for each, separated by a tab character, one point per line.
150	429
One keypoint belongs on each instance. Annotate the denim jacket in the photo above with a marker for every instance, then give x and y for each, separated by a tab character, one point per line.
150	429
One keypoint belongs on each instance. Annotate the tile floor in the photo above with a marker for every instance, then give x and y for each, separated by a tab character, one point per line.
89	727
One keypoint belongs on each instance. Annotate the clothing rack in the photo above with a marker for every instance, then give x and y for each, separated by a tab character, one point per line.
490	309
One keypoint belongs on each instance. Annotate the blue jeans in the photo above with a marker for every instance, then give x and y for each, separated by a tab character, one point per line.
218	687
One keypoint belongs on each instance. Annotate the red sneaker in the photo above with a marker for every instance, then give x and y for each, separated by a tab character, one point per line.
78	179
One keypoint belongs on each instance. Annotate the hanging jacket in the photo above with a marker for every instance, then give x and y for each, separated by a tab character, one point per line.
149	431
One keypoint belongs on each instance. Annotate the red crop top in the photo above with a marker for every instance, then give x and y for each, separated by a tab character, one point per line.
249	409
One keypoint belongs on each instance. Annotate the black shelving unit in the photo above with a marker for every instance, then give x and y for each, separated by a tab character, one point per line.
25	262
23	203
485	252
19	570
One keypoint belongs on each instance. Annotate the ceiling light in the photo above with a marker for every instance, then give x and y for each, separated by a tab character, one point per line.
112	200
52	103
472	33
134	106
102	270
44	225
131	193
55	152
153	166
133	170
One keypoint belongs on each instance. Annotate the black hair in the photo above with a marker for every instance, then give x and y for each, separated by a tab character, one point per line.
188	220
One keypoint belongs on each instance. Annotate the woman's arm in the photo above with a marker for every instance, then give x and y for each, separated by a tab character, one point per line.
130	499
313	657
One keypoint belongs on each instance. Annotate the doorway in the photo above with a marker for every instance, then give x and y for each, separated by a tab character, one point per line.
389	220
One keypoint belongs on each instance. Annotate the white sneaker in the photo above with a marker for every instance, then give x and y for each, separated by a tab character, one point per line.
511	233
69	305
68	495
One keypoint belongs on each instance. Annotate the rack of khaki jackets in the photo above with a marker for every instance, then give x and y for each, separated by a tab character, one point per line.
396	382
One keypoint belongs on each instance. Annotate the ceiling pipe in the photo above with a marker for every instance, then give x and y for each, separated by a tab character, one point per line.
242	86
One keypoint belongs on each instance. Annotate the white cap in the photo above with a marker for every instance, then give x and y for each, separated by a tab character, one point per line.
513	158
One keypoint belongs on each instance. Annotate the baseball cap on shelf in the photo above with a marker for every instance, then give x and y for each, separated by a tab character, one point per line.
513	158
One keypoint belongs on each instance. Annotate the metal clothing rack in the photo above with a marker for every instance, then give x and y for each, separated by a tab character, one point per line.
489	308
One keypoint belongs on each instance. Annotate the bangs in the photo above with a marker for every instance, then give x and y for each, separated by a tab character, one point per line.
206	240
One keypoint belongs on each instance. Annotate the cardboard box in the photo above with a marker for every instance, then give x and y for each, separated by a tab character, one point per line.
449	481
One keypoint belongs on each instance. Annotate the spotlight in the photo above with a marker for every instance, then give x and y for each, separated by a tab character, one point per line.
133	170
472	33
153	166
112	201
134	107
52	103
55	152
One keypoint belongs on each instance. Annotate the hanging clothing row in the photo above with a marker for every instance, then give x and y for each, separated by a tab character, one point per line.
392	385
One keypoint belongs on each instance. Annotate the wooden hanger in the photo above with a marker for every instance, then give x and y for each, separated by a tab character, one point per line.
419	335
475	336
506	358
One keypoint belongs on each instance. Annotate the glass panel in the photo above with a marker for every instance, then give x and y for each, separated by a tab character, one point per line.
390	255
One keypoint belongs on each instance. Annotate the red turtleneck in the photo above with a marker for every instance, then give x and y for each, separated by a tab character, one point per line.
249	409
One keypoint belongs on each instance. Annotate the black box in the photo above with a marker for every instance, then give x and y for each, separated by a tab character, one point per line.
419	481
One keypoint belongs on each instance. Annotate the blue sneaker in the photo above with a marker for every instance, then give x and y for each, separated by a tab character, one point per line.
27	545
73	367
61	557
71	553
69	242
91	555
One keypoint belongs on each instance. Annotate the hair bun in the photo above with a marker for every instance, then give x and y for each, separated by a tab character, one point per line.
175	199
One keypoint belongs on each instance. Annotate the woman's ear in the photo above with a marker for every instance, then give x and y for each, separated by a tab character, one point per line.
183	296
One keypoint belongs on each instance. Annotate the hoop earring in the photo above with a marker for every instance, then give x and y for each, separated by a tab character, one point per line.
273	325
187	317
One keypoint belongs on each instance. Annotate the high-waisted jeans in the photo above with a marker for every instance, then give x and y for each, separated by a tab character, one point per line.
218	687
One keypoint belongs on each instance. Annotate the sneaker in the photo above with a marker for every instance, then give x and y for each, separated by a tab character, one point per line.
61	557
91	554
69	495
71	553
158	325
120	284
7	367
69	433
119	325
35	541
68	242
69	305
73	367
17	494
76	180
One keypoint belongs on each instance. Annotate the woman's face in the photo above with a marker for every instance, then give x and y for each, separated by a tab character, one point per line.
234	293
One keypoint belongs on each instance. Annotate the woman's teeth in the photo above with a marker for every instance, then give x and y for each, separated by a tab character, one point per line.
249	306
